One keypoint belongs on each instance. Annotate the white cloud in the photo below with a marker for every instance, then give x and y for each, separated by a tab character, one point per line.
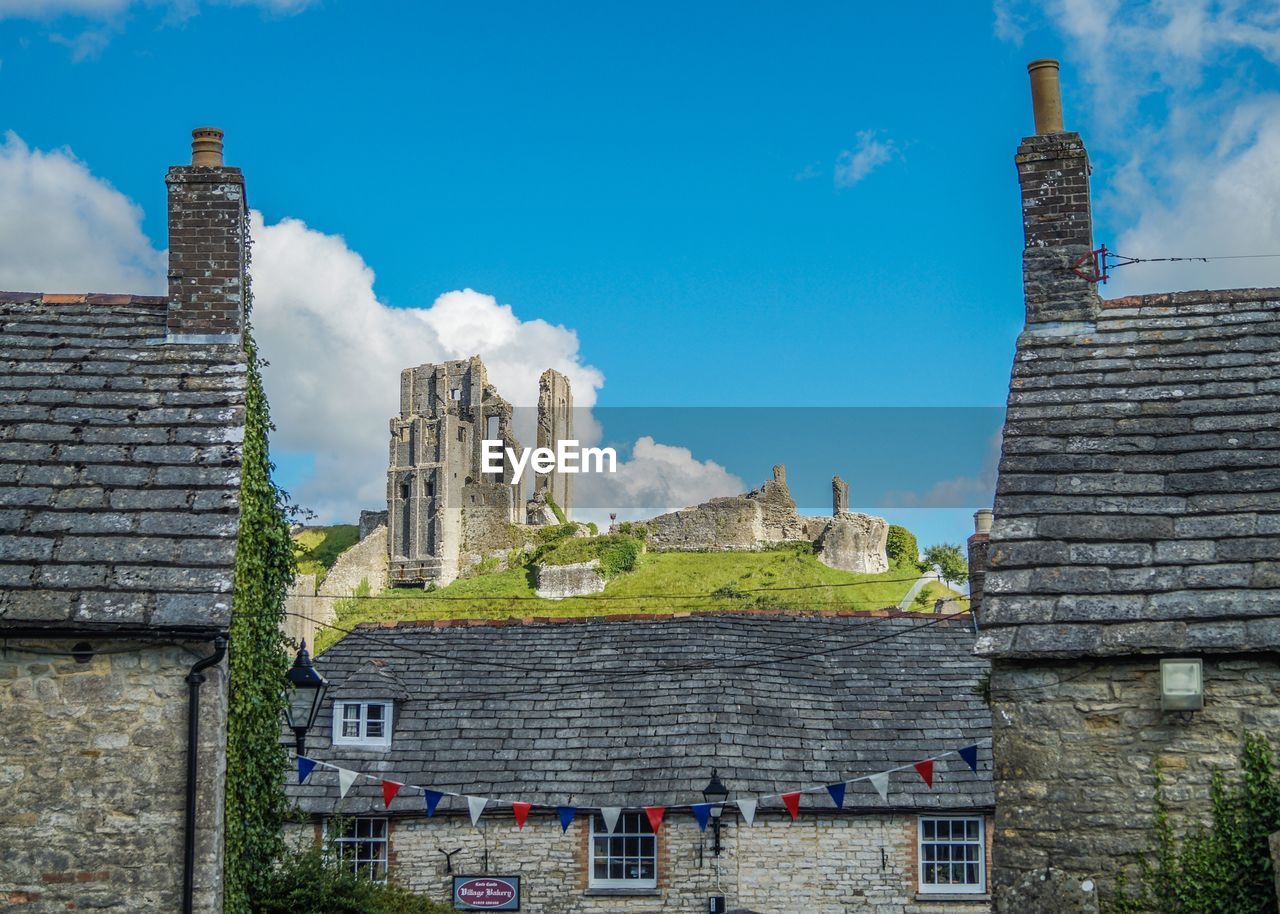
658	478
870	152
335	350
64	230
958	491
106	9
1171	93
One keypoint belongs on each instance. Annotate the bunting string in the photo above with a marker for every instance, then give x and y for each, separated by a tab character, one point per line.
476	805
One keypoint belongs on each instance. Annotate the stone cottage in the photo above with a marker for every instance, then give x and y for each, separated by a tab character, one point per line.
636	712
123	417
1132	600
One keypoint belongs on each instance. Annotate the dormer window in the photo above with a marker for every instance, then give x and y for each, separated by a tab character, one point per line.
362	723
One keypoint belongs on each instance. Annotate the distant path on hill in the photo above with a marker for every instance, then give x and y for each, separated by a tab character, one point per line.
933	574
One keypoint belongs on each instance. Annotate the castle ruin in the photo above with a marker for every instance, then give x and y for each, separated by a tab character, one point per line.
444	512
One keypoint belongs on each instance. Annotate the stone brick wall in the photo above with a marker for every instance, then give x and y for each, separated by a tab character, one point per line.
817	865
1074	776
93	780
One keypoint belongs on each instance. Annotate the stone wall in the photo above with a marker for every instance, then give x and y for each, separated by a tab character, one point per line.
309	607
1074	777
555	582
855	543
93	776
820	864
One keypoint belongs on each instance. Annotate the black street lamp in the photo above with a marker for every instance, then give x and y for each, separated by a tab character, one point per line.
303	694
715	793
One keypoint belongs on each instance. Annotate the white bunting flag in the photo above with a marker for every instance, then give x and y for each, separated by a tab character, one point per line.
748	808
881	783
345	780
610	815
476	805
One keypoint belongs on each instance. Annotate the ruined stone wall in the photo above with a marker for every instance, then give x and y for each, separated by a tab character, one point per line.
93	780
1074	778
555	423
722	523
855	543
817	865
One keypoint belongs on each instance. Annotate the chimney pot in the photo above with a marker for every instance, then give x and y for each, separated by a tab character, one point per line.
1046	96
206	147
982	520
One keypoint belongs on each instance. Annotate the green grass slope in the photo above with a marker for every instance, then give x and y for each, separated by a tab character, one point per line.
317	548
784	578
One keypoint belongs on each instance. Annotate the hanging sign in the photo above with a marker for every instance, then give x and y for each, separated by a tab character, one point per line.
486	893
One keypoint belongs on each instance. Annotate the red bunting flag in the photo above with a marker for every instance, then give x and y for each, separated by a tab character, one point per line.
925	770
655	814
389	791
521	811
793	803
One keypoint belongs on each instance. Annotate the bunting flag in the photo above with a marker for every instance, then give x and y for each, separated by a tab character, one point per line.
346	778
701	812
881	783
654	814
610	815
305	767
925	770
793	803
566	816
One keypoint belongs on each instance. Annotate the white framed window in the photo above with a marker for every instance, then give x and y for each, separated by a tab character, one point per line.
953	855
362	723
626	859
363	846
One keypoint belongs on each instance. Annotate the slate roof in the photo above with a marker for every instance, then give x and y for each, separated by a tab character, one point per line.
1138	503
119	467
636	712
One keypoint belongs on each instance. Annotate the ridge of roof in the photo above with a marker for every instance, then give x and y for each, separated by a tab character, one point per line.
1196	296
84	298
409	624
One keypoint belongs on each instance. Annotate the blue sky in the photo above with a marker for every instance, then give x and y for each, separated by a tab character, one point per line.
729	204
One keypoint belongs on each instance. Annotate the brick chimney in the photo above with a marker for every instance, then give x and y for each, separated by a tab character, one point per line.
208	234
979	545
1053	169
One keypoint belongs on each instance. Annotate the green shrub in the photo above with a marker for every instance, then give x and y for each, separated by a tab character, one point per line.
620	556
637	530
316	881
902	546
1224	868
553	533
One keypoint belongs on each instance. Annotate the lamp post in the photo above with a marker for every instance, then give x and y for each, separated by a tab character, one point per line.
304	692
715	793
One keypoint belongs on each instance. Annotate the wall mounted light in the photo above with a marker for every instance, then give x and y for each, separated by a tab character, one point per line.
1181	684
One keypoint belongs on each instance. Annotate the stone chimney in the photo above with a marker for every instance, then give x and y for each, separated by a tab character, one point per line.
979	545
208	236
1053	169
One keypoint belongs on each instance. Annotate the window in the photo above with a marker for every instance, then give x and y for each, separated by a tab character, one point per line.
627	859
362	723
363	845
953	855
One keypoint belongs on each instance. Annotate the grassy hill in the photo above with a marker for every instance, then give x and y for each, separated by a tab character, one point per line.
317	548
785	578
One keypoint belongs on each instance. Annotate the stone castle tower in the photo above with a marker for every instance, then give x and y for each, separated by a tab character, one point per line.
444	512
